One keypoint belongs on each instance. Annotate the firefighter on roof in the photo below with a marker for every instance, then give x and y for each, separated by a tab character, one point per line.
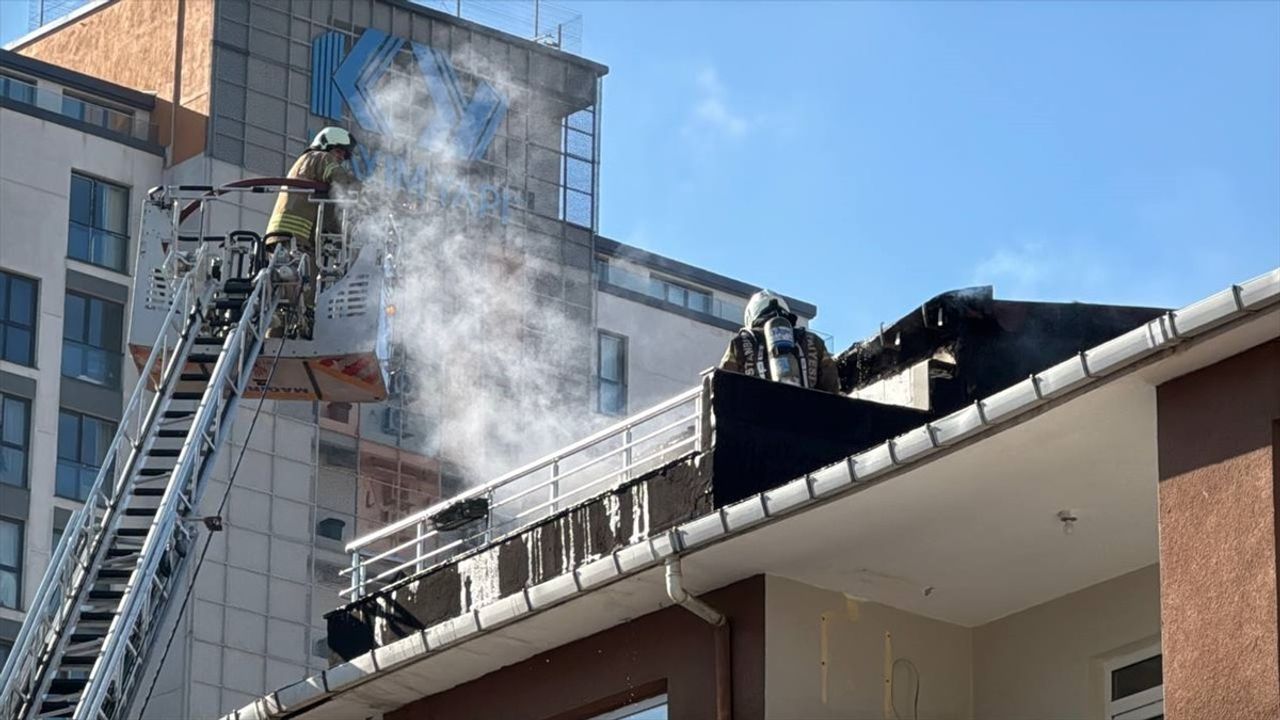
770	346
294	217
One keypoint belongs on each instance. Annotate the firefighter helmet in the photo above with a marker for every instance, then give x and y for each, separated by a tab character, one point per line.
333	137
764	305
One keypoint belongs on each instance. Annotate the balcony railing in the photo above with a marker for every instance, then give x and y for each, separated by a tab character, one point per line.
637	445
122	123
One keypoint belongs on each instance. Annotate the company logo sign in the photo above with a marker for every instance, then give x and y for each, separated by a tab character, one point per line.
461	126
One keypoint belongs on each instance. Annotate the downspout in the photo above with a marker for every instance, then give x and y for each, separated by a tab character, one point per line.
178	49
723	670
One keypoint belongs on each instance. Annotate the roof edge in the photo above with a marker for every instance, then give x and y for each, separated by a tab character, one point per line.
1055	385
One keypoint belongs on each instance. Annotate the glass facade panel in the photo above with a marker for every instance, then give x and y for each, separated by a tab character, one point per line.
91	340
10	563
82	444
98	230
17	319
15	431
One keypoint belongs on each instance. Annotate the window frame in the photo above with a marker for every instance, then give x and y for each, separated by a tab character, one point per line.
5	322
107	107
79	461
635	708
666	285
7	77
25	448
623	383
114	355
1142	705
16	570
92	229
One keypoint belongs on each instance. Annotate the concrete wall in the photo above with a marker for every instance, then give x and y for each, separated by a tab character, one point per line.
1219	436
669	651
37	158
1046	661
802	620
666	352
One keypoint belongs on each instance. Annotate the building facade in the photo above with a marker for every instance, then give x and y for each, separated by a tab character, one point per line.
228	89
75	154
1096	540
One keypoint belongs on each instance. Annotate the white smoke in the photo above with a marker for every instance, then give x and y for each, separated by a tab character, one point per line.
497	363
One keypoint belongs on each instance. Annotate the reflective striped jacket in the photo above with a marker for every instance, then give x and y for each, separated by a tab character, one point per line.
294	213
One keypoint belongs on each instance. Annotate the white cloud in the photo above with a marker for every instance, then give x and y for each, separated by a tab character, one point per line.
1064	270
712	110
1020	270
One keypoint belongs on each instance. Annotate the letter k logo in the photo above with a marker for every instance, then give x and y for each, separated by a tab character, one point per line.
463	128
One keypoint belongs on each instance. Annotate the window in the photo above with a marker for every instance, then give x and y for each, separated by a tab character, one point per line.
1135	686
15	431
16	88
5	648
654	708
82	444
682	295
17	319
94	112
60	519
99	226
330	528
10	563
612	361
91	331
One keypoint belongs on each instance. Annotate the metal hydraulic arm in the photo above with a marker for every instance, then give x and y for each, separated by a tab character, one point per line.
84	647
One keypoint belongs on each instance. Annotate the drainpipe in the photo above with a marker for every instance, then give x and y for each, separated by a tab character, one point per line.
724	675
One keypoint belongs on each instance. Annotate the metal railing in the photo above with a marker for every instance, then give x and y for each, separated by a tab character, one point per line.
49	613
639	444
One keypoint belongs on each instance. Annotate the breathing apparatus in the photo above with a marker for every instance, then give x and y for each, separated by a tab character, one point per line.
768	312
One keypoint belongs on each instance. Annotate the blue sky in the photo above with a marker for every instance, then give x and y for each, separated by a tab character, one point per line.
867	156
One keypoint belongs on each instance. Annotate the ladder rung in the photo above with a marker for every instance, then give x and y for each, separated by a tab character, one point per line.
78	660
202	357
208	341
148	492
132	532
97	616
106	594
67	686
194	376
140	512
179	413
154	472
171	433
164	452
86	637
187	395
234	285
122	552
114	574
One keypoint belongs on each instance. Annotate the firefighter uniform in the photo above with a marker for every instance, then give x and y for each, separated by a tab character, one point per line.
747	355
748	352
295	215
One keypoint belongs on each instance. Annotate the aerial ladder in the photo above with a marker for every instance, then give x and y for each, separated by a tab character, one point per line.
84	648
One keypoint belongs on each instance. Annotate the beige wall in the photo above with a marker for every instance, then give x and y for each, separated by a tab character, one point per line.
855	644
1046	661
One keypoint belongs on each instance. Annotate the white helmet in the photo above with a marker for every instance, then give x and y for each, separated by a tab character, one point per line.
764	305
333	137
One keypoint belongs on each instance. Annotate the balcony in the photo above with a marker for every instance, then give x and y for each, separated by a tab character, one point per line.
85	110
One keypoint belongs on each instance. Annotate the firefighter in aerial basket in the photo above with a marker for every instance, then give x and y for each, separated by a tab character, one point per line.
770	346
294	217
